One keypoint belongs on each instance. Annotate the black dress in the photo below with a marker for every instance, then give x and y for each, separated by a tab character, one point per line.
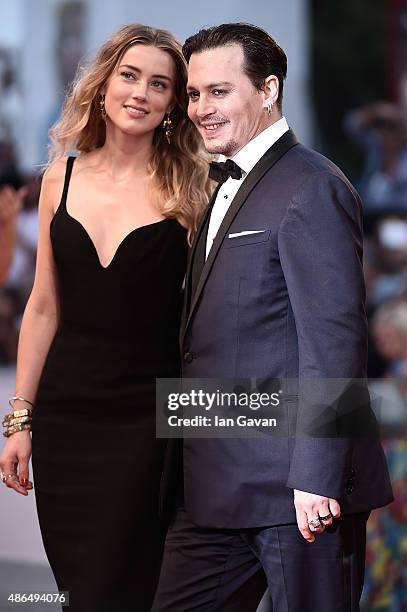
96	461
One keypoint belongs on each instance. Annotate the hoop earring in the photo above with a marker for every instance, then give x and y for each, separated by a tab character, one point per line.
269	107
102	107
168	127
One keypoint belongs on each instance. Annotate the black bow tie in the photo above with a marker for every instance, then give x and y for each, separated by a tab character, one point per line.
221	171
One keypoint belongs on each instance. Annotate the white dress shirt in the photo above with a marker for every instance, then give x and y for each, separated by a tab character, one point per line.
246	159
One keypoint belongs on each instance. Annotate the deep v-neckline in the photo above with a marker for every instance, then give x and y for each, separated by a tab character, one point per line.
64	207
122	241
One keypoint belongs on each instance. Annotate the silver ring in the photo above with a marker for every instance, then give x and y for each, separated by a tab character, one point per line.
315	523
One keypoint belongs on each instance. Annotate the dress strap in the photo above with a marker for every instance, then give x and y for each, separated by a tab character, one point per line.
68	172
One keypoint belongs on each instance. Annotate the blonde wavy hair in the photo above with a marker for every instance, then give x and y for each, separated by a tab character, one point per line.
179	170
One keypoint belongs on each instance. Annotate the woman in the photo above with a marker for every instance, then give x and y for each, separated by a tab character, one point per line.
102	321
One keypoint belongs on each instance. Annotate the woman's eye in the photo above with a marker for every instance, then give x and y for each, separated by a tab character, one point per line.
128	75
158	85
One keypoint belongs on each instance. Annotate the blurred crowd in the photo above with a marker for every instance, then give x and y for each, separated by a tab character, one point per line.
18	217
379	130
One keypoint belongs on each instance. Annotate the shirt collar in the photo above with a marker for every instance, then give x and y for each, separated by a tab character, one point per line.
250	154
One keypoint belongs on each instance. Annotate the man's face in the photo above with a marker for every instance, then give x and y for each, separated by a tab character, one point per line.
223	104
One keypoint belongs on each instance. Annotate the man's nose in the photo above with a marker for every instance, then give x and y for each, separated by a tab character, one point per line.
205	107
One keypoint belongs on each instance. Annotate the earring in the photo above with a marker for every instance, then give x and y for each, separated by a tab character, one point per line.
168	127
102	107
269	107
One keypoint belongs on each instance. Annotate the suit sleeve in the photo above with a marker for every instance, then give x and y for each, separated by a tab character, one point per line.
320	248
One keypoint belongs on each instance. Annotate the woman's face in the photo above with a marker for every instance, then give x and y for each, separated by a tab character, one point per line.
141	90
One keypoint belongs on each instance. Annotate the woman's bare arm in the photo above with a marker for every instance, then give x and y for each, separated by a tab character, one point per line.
40	322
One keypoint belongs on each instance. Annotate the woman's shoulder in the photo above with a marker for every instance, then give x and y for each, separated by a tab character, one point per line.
55	172
52	184
57	169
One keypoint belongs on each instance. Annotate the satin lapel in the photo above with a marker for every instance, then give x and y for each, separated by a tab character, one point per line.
200	256
283	144
200	235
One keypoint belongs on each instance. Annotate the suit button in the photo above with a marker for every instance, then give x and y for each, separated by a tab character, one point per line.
188	357
349	489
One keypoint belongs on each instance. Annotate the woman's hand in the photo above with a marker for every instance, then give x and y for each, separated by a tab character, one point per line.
14	462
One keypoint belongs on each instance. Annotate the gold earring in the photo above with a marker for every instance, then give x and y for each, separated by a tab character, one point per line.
269	107
168	127
102	107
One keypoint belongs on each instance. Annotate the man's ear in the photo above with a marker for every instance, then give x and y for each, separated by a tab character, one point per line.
270	90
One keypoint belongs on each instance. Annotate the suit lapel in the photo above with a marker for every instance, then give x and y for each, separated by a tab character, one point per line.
200	252
283	144
196	258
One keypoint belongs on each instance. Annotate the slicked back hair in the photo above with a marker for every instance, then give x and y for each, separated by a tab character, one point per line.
262	55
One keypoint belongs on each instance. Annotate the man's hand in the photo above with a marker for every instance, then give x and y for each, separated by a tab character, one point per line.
314	509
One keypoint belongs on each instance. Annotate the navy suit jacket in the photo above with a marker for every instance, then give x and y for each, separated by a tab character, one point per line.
284	303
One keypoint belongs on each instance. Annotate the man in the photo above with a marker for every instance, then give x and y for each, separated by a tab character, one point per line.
274	290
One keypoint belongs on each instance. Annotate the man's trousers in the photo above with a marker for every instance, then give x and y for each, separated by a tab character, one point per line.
229	570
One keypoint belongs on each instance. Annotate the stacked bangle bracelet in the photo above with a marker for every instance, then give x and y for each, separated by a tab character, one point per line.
17	420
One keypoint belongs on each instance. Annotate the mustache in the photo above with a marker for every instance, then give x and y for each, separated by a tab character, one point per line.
211	120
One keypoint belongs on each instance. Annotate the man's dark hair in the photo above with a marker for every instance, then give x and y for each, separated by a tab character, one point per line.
262	55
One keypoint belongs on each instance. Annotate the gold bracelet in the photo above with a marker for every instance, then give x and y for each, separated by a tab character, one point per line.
18	413
21	399
16	421
16	428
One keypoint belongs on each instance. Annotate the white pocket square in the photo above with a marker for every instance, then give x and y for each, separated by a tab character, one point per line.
246	233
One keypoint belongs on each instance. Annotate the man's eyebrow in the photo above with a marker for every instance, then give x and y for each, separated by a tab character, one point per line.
211	85
155	76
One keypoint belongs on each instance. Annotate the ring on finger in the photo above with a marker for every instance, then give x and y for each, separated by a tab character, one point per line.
314	523
326	518
2	476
